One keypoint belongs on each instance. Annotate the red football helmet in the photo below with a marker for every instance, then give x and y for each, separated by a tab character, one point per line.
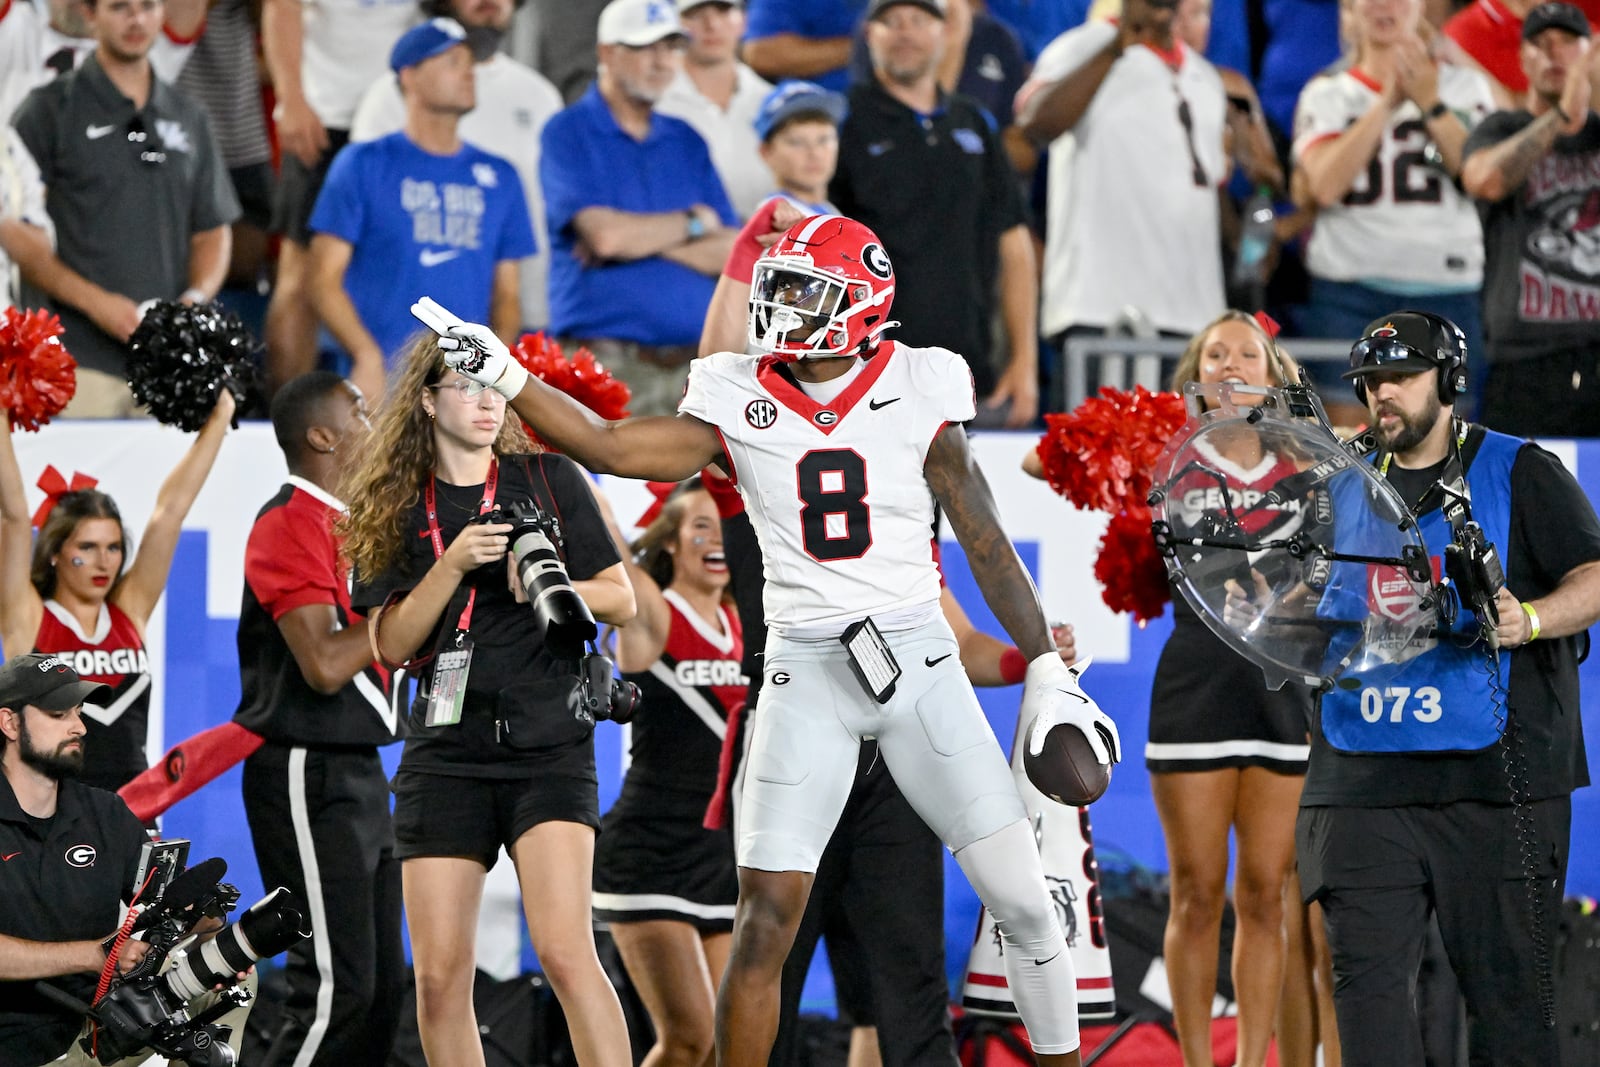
823	290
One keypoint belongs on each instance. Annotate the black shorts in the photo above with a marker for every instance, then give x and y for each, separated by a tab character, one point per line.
655	861
445	815
252	184
298	187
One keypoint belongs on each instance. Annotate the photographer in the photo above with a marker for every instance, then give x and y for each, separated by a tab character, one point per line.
315	792
1443	782
502	761
70	852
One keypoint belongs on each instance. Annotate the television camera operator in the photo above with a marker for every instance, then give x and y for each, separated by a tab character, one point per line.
1443	782
69	855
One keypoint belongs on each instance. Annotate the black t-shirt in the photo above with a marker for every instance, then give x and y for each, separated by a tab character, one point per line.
939	191
509	661
1553	531
62	879
1541	277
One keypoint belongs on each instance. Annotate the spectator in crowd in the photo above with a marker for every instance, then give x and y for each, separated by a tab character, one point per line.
639	221
1487	35
43	39
924	169
59	914
1536	174
503	762
663	883
218	68
720	96
75	592
315	792
565	43
1379	144
1409	813
808	39
1297	40
21	205
418	213
514	101
138	194
320	58
1038	22
1134	225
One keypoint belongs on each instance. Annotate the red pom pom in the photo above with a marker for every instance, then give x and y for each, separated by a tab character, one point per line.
1129	569
580	377
37	376
1100	455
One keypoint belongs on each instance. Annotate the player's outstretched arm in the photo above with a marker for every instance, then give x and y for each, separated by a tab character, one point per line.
963	493
657	448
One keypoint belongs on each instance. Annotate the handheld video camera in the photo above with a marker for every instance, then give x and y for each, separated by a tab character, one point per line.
1473	564
568	628
149	1007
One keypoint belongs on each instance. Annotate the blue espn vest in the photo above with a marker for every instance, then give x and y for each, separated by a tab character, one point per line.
1442	700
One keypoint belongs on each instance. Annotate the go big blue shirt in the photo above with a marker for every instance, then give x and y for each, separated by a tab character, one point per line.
421	225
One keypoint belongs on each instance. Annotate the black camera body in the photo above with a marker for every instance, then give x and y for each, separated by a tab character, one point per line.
148	1007
564	620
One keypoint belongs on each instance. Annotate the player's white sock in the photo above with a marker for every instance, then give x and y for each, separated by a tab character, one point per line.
1004	868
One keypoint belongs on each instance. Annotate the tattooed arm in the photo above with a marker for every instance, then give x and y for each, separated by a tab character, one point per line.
963	493
1494	173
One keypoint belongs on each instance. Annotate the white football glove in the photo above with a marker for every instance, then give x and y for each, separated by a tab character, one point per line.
472	349
1051	695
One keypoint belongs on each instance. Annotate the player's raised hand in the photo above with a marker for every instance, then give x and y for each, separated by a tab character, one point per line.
472	349
1052	697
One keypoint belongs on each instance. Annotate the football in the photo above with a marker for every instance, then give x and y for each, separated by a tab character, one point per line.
1066	770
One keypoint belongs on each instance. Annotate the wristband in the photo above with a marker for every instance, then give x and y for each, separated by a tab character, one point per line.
1533	620
511	380
1013	666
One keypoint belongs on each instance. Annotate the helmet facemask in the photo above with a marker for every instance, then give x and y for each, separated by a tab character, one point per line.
798	311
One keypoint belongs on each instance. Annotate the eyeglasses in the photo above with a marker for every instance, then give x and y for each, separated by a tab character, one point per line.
1379	351
465	389
152	153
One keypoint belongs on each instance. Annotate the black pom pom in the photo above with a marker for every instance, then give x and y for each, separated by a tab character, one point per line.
183	355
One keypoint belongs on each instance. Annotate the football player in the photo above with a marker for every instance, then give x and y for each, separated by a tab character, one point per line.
835	438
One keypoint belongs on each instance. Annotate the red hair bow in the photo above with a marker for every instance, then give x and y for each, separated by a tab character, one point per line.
661	490
55	487
1268	324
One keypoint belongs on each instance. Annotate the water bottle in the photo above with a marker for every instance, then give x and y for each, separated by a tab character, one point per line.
1255	241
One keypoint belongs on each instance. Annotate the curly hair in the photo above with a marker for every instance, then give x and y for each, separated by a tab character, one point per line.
650	548
1281	367
69	511
399	455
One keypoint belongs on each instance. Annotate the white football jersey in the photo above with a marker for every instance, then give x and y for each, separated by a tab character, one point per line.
1403	219
836	491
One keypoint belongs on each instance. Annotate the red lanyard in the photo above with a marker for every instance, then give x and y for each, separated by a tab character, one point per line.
428	501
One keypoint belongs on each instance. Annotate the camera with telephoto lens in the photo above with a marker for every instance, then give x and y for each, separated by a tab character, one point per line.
564	620
149	1007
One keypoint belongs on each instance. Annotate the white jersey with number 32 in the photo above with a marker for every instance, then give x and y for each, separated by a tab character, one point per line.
836	491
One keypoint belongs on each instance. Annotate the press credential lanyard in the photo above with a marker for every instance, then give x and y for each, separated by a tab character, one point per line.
449	689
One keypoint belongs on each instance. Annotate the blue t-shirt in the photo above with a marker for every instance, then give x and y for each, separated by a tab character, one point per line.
587	160
807	18
421	225
1038	22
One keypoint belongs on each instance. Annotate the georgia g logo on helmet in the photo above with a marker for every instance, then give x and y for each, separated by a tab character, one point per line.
876	260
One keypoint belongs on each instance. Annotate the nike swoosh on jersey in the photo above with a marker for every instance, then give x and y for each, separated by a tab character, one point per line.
11	857
876	404
929	661
432	258
94	133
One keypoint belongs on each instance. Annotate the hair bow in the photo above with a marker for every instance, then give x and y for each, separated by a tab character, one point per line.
1268	324
661	491
56	486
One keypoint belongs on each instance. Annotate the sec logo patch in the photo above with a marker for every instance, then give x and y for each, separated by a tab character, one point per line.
761	413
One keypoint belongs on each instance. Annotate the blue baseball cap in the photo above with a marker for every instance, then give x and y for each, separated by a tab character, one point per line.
795	98
425	41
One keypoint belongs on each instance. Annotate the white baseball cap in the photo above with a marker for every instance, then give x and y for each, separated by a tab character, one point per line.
638	23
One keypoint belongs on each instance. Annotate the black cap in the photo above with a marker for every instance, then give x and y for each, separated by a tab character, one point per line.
932	7
47	682
1555	15
1402	343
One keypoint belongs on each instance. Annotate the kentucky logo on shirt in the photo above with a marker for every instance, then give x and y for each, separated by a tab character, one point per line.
174	138
450	214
